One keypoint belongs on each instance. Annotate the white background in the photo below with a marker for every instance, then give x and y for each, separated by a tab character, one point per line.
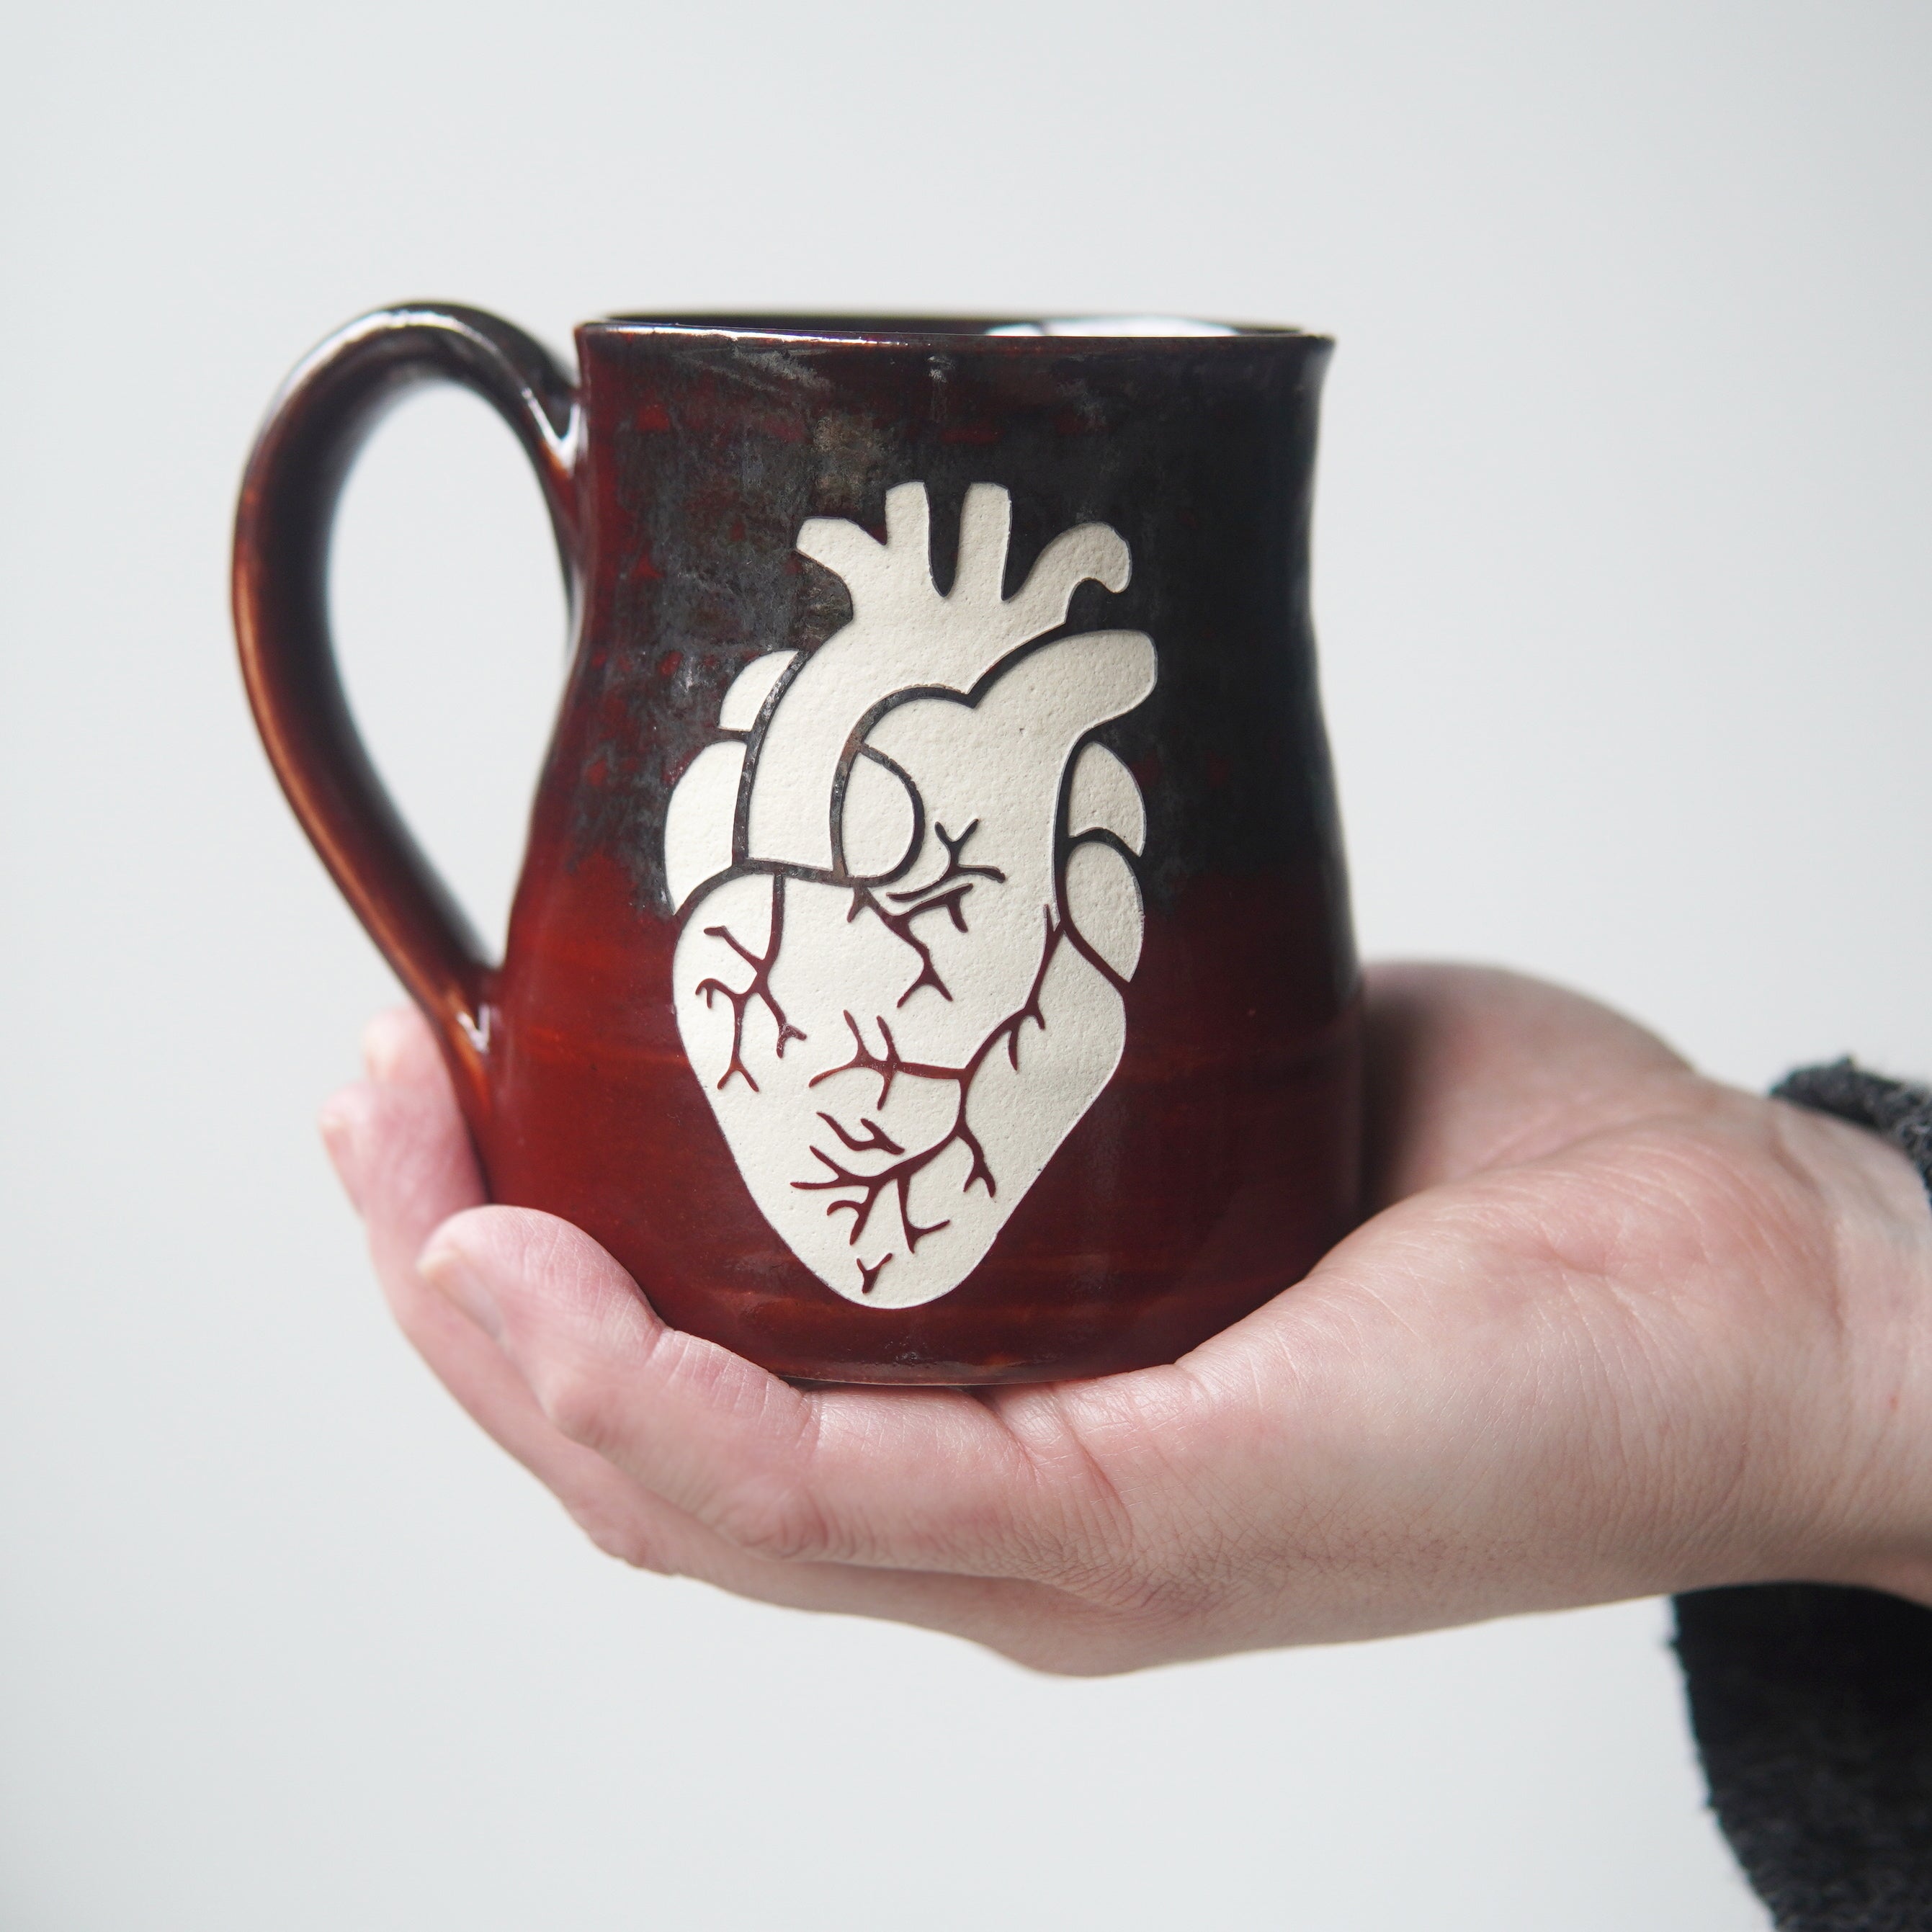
1621	575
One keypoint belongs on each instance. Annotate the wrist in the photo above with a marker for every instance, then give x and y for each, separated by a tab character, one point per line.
1871	1406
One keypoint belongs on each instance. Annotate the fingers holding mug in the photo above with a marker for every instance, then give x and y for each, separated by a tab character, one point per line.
922	1479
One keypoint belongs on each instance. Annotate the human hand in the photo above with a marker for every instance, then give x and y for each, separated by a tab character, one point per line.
1615	1329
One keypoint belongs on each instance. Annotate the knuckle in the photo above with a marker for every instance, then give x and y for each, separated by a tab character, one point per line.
778	1523
627	1542
1140	1594
579	1405
1083	1647
1180	1584
1150	1580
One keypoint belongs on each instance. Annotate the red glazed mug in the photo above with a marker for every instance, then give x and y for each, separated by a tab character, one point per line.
932	961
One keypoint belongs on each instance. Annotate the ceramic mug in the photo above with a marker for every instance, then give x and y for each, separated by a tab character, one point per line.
932	961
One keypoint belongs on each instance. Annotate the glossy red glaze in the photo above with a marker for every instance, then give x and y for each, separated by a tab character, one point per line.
1221	1159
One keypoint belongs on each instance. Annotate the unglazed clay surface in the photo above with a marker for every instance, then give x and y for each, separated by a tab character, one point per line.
905	876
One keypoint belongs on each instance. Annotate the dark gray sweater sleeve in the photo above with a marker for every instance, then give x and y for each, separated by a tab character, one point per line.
1813	1711
1812	1706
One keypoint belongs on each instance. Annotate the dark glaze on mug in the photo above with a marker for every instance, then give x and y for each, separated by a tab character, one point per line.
1052	830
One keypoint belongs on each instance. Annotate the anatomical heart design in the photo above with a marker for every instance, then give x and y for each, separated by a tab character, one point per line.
906	874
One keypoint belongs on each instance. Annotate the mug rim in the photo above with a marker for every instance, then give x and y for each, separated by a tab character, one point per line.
937	331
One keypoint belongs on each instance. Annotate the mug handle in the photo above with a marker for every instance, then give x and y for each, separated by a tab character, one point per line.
315	428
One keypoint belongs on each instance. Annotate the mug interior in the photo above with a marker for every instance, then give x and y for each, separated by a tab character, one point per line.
915	327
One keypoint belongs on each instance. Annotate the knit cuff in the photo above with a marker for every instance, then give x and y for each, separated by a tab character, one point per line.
1811	1705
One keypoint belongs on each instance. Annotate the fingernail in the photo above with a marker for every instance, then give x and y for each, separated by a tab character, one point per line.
385	1040
446	1270
337	1125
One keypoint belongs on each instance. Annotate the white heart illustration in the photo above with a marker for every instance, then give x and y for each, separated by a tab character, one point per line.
905	872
